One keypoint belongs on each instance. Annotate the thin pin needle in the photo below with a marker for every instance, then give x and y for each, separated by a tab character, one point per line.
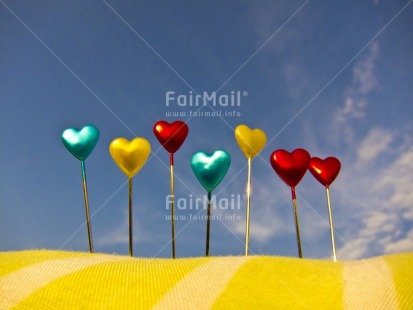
247	228
85	195
208	224
130	217
330	216
297	225
171	162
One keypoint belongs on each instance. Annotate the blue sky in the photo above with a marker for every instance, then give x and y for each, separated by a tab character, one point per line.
331	77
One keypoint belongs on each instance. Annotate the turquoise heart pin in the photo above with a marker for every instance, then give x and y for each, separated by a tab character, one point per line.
210	169
80	143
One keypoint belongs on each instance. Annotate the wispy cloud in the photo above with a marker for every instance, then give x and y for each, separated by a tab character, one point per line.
377	172
395	182
364	82
267	217
403	245
380	203
120	234
297	79
376	142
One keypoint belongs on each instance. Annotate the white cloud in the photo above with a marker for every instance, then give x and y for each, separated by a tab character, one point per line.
375	182
364	81
272	215
268	19
380	206
374	144
296	78
396	180
267	219
408	214
267	223
402	245
364	78
262	228
377	222
120	234
354	249
117	236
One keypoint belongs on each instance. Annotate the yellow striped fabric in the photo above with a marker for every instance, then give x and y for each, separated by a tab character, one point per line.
71	280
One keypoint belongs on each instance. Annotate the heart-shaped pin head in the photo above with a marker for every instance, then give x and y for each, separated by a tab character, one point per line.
250	141
325	170
171	136
290	167
130	156
80	142
210	169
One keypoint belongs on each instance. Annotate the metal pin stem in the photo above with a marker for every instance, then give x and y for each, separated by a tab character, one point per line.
330	216
130	217
297	224
171	162
247	224
85	195
208	224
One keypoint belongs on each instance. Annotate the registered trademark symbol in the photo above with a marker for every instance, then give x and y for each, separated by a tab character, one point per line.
245	93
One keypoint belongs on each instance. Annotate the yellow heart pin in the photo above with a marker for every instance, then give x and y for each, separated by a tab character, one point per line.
130	156
250	141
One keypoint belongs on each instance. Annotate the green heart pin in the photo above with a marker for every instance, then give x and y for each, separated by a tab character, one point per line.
81	143
210	169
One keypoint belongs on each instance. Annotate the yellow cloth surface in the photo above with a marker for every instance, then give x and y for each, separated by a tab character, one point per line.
73	280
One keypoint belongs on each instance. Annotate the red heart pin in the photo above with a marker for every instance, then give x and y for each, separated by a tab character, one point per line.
290	167
325	171
171	136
